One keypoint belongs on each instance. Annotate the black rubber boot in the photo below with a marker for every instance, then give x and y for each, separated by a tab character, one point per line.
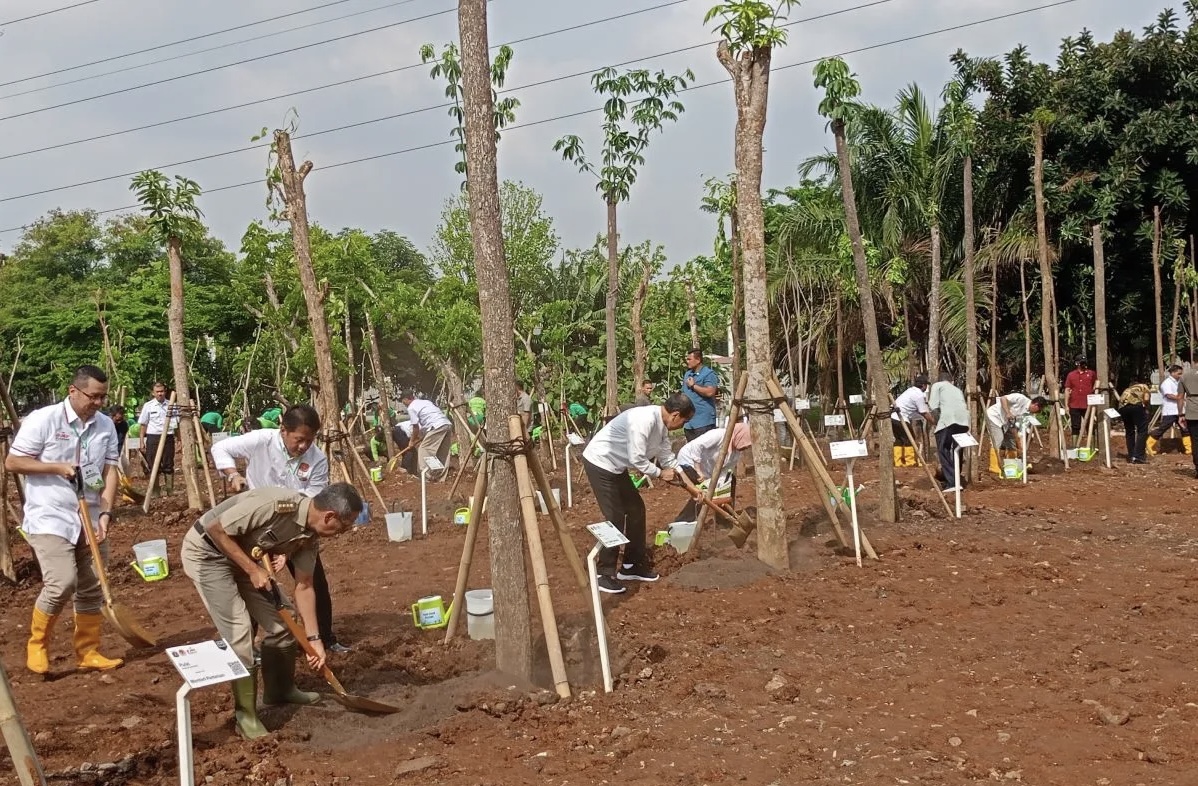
278	678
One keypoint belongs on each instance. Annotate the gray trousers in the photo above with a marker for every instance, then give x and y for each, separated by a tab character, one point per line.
231	600
67	570
435	443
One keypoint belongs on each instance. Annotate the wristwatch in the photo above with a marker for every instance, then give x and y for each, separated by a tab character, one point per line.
107	513
314	638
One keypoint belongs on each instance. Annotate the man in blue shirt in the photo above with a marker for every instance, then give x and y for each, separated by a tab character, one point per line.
700	384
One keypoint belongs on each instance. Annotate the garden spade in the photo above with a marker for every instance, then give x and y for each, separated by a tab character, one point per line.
283	607
742	525
119	615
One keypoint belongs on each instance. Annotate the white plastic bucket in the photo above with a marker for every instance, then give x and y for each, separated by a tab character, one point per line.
480	614
399	526
681	534
151	558
557	497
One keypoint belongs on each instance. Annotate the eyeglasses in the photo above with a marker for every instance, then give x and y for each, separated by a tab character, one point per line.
95	398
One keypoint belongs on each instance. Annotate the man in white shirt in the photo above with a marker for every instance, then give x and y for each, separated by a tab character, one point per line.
1000	420
286	457
697	459
53	444
432	430
912	403
158	422
634	439
402	434
952	418
1171	399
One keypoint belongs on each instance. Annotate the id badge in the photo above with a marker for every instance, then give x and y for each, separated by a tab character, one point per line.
93	478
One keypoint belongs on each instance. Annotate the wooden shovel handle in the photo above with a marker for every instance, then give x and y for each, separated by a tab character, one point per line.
281	602
92	543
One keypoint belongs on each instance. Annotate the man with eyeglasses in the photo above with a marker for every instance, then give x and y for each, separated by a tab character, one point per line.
53	444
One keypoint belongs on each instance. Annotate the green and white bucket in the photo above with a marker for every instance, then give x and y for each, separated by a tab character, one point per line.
150	560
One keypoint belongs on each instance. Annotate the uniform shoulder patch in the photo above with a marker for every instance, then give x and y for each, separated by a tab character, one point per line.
284	506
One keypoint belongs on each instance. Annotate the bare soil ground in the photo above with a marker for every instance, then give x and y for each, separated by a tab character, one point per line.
1046	638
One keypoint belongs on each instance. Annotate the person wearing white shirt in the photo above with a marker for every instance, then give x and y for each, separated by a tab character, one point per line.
1000	420
56	448
402	436
952	418
286	457
432	432
634	439
1171	399
697	459
158	422
912	403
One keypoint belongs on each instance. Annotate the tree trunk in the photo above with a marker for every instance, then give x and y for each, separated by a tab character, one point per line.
995	382
839	350
455	391
888	509
934	308
971	309
297	214
691	313
1046	293
350	392
1027	331
513	631
1101	359
1156	288
750	73
738	292
640	354
611	406
187	436
380	382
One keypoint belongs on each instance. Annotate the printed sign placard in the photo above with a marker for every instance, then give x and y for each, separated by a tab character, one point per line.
606	533
833	420
434	463
857	399
1113	413
207	663
802	404
1095	400
850	448
965	440
574	439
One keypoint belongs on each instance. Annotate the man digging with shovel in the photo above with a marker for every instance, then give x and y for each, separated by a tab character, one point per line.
217	557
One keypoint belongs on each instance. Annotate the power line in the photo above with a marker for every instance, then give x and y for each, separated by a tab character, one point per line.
167	80
556	118
168	45
352	80
411	112
47	13
218	47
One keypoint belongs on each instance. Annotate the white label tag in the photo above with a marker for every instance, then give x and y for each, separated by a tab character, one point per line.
1096	400
858	399
606	533
802	404
1113	413
574	439
965	440
434	464
93	478
1156	400
207	663
833	420
851	448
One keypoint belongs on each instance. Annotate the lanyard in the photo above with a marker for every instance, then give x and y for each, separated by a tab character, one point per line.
291	462
81	446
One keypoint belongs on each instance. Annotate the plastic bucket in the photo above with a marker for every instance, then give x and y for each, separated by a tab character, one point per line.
1012	469
429	613
376	474
399	526
461	517
681	534
149	560
480	614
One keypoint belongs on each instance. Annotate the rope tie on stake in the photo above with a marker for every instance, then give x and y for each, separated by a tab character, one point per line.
757	406
507	449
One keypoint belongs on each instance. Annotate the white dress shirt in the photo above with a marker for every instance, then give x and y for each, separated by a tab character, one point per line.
632	440
911	404
427	415
1169	407
1017	403
153	417
268	463
700	453
55	434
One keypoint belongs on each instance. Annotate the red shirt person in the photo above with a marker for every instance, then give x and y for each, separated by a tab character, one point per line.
1079	384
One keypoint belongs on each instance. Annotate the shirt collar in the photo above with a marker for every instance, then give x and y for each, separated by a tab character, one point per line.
72	416
301	515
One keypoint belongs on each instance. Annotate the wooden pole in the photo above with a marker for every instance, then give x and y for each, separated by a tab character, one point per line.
459	587
20	748
927	470
532	534
548	432
725	444
362	466
6	564
202	439
559	522
166	430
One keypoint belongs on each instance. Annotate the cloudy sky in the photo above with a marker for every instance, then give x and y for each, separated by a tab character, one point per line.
404	189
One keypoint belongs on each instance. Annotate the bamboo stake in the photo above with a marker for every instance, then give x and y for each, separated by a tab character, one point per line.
465	457
6	399
725	443
6	564
20	748
362	466
202	436
459	587
559	522
927	470
536	554
548	433
166	430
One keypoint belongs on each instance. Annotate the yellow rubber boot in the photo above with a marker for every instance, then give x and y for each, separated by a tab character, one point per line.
909	459
87	643
897	455
1150	446
1186	443
37	652
995	466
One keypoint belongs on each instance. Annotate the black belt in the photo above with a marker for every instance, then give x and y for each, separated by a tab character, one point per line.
198	527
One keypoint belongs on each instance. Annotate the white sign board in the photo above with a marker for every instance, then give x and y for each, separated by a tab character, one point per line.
207	663
606	533
574	439
965	440
220	435
434	463
1156	399
858	399
1113	413
852	448
833	420
1095	400
802	404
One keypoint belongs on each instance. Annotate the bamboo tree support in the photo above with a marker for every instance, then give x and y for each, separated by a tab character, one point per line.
559	522
13	419
465	456
725	444
532	534
166	430
6	563
544	411
16	738
927	470
476	514
343	436
202	438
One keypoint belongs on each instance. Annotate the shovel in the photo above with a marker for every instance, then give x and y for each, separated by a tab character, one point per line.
742	525
118	614
340	695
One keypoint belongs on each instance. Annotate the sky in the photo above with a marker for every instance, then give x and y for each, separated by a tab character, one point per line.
410	175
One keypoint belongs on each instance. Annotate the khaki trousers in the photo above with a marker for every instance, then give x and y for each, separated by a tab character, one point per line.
67	570
231	600
435	443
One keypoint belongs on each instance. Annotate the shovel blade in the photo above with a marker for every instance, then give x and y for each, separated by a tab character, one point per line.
363	704
127	625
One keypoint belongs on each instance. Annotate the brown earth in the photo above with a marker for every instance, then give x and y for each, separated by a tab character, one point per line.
1045	638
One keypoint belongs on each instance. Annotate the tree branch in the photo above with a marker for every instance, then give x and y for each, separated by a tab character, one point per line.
302	172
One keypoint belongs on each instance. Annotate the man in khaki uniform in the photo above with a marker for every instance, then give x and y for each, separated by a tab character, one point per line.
217	557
